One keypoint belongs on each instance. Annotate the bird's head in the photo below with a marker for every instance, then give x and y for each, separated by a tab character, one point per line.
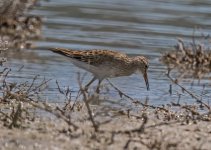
141	63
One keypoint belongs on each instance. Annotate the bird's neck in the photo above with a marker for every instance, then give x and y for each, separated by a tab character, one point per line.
130	65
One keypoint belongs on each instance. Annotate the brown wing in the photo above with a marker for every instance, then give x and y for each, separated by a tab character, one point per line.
92	57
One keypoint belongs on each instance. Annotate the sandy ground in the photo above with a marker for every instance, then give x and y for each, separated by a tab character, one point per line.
118	130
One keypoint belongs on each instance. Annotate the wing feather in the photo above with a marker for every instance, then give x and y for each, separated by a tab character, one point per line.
93	57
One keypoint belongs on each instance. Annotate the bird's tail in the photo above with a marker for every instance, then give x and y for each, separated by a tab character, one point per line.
78	58
63	51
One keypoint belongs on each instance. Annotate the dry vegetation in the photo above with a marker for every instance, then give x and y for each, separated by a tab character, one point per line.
26	122
17	27
29	123
190	59
20	30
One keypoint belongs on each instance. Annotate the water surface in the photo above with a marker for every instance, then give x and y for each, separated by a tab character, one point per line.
137	27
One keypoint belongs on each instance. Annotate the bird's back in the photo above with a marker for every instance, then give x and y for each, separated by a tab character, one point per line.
101	63
92	57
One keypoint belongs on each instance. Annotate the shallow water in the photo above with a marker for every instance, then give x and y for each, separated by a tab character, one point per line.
138	27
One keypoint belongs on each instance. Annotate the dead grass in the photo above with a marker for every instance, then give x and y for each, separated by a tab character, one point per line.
80	125
190	59
77	124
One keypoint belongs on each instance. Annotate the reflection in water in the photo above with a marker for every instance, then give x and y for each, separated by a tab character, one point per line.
134	27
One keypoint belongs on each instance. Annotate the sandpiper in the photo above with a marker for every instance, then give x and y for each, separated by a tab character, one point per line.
106	63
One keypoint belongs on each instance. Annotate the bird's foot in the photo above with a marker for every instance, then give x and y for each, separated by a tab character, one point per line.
97	90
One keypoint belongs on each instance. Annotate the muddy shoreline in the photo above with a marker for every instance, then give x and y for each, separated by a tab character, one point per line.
144	130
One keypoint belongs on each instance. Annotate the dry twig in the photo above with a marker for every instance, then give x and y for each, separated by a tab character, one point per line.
86	100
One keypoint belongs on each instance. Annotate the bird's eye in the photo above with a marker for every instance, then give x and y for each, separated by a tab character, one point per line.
146	66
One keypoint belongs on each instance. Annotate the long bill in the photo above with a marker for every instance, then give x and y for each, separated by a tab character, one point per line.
146	80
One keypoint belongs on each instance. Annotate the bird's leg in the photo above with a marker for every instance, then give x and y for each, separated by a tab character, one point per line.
90	82
98	87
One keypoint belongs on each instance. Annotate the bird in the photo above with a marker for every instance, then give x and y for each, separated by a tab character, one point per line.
104	64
